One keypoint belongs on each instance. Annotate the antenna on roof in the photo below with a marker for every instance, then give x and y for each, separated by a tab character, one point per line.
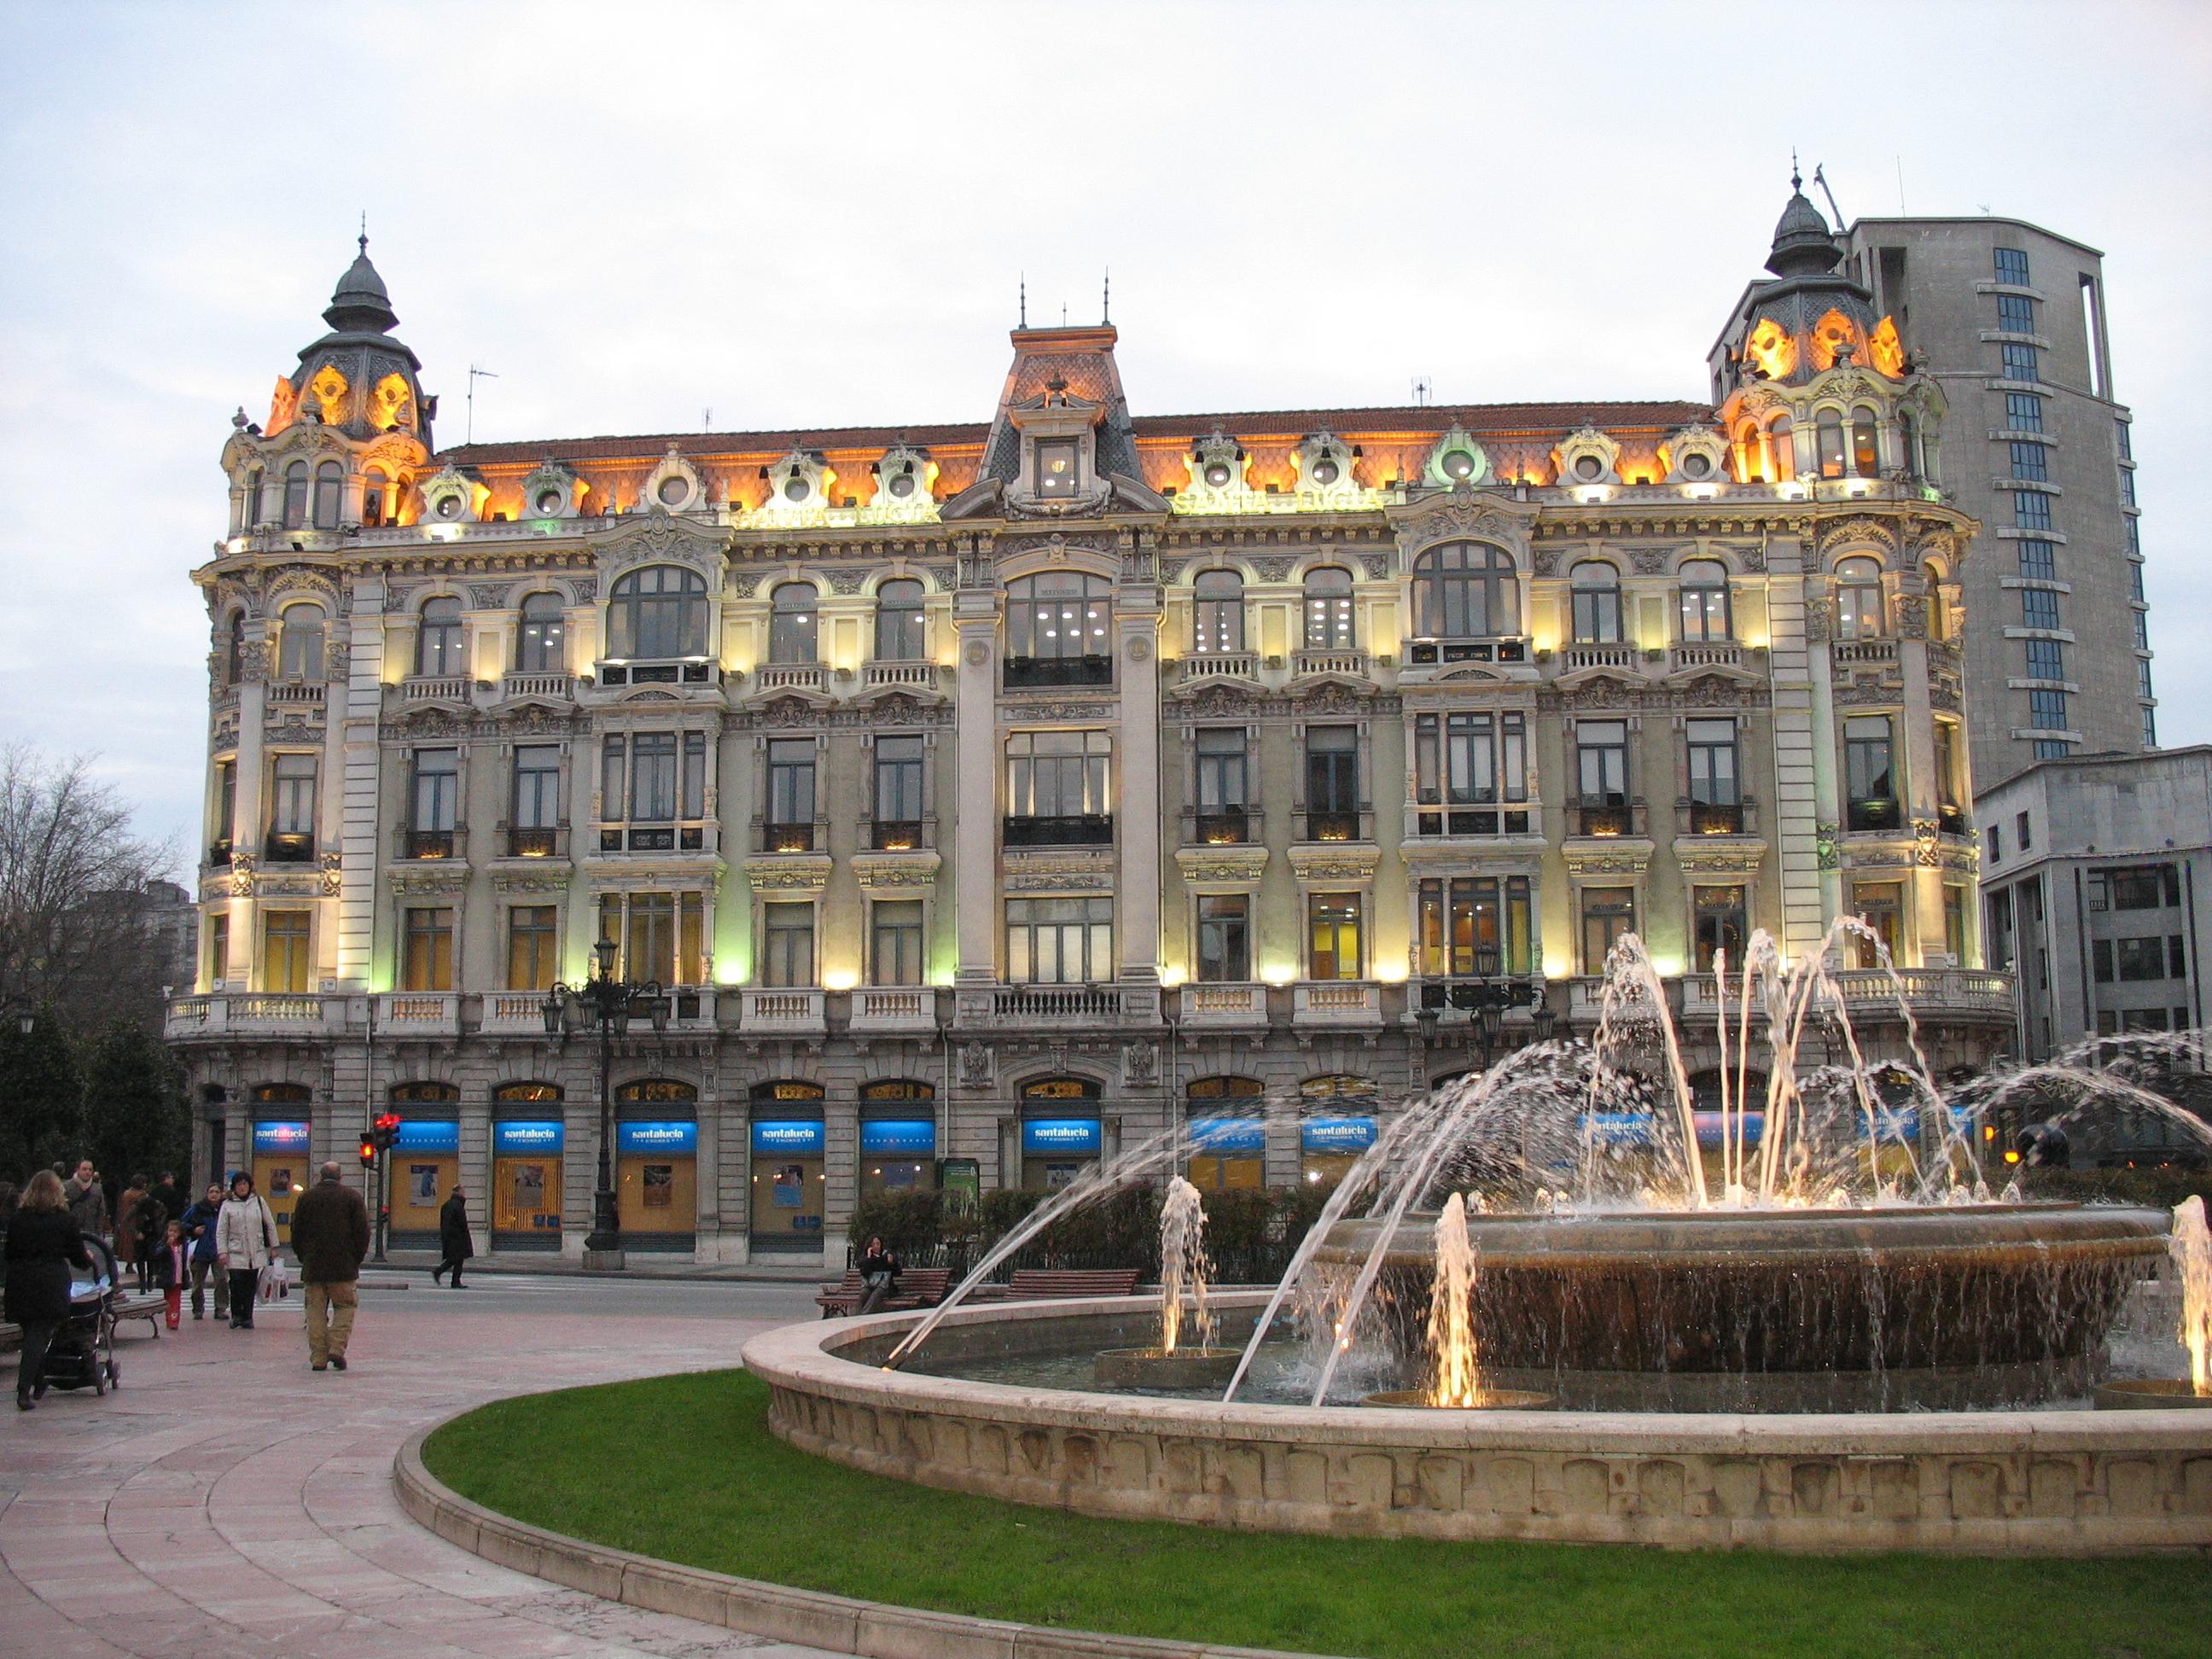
364	230
475	375
707	418
1024	321
1424	388
1821	179
1106	301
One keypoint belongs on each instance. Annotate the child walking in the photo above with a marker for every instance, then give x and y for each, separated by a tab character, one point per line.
173	1272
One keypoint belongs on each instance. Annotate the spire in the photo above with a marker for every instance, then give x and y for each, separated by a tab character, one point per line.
1803	244
359	304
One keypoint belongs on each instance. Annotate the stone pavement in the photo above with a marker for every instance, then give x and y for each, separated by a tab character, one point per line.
227	1500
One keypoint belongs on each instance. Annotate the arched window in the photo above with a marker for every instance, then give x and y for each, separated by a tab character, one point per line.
1782	445
1908	440
438	645
1218	621
538	649
790	628
1939	607
295	497
1058	628
1596	594
657	612
901	636
1860	613
300	648
1329	622
1828	429
330	491
1465	590
1704	600
375	492
233	648
1866	453
249	506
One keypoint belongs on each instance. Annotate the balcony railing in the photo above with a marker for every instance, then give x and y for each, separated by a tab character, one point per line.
1336	1002
923	674
897	834
260	1013
1706	654
657	673
514	1014
289	846
1225	1003
790	837
447	688
1585	653
1220	826
535	841
453	844
1423	653
1604	817
295	692
1332	824
1873	816
562	687
419	1014
781	1011
653	838
1513	818
1698	818
1057	1003
1352	662
893	1008
1089	830
1866	650
791	677
1219	664
1025	673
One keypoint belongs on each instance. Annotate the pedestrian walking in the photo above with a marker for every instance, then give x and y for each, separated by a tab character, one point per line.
329	1235
454	1244
86	1199
199	1227
169	1195
149	1226
44	1241
171	1270
127	1252
244	1242
879	1271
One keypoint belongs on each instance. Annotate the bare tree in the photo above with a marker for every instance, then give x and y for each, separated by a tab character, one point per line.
73	935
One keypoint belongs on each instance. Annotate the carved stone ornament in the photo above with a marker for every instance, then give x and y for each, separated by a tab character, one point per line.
977	654
1818	620
914	870
1587	456
1222	867
1858	530
662	540
451	496
1545	562
406	882
1650	561
1315	861
1700	856
1696	455
333	868
1140	650
1140	1064
1911	616
977	1064
1274	570
1021	714
516	881
674	485
1924	844
789	872
489	596
550	491
1610	857
1449	521
848	580
1752	558
1824	845
1456	461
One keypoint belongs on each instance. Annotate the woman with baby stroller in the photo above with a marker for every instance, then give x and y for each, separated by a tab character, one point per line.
43	1244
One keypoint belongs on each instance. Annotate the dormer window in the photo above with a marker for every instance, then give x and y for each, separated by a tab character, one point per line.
1055	468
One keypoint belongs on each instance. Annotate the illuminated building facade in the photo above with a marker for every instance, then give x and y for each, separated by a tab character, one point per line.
987	797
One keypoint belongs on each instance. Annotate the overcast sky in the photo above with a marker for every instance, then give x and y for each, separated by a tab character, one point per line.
798	215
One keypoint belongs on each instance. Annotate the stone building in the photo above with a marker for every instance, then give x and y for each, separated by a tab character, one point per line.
988	798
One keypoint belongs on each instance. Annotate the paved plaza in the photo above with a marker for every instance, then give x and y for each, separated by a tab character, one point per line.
227	1500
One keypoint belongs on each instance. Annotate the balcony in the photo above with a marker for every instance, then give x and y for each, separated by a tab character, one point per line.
1353	663
1218	664
653	838
780	1012
295	694
893	1010
431	844
896	835
1429	654
1221	826
1705	653
920	675
561	687
271	1014
1869	994
534	841
1585	653
1953	821
1604	818
1225	1003
1874	815
437	688
289	846
1333	824
1875	651
218	853
1057	1004
791	677
514	1014
1515	818
792	838
402	1014
1089	830
695	672
1030	673
1698	818
1337	1002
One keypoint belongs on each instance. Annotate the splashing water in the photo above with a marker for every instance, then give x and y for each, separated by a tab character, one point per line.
1183	1267
2192	1248
1451	1311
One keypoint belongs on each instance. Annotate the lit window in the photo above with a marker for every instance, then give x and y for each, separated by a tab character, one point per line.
1465	590
658	612
539	645
1859	612
438	647
899	624
791	622
1595	590
1217	621
1329	621
1055	467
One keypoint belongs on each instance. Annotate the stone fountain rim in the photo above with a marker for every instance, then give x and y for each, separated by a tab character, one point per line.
809	1358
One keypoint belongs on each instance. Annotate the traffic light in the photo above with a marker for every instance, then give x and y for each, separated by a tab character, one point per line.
384	1131
367	1151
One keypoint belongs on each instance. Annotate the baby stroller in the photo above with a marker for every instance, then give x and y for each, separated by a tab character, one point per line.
83	1351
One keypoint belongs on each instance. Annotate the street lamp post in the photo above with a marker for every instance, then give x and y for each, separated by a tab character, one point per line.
606	1003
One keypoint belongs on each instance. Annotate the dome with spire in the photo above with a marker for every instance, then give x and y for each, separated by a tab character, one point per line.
359	304
1803	244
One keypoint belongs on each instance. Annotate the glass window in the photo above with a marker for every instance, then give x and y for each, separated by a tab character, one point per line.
1062	618
792	622
226	803
292	807
1060	941
2039	559
1866	451
2046	711
2022	361
1881	905
2029	463
375	490
2012	267
1948	795
1224	954
438	645
1223	779
1954	922
2030	510
2046	659
1058	775
538	649
1217	619
1782	441
791	781
1601	763
657	612
536	788
427	956
652	777
218	945
900	627
286	966
1705	601
1716	915
1329	621
1867	766
660	935
2015	313
295	497
2142	630
899	761
1333	779
2039	607
233	648
300	645
1713	775
1597	601
1473	927
532	958
2142	678
330	491
1332	936
437	790
1828	430
895	945
1465	590
787	941
250	504
1859	612
2024	411
1470	759
1607	913
1055	467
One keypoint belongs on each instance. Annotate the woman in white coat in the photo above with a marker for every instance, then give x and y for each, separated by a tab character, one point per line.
244	1242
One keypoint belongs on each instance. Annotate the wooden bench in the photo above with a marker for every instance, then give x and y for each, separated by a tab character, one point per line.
149	1306
1047	1283
914	1287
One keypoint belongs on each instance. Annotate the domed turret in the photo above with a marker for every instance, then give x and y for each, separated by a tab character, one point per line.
360	305
1803	244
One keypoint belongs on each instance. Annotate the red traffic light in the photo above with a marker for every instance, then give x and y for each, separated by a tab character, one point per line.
385	1130
367	1151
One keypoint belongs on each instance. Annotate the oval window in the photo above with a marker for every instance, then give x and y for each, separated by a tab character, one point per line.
1217	475
449	507
1459	465
795	489
1325	472
902	486
549	502
1696	466
673	489
1588	466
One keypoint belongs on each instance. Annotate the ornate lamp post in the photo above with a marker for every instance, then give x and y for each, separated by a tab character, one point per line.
607	1003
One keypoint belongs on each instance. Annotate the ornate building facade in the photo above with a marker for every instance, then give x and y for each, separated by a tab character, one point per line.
989	796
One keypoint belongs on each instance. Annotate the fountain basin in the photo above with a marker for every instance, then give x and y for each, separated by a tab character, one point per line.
1157	1368
1489	1400
2151	1393
1782	1310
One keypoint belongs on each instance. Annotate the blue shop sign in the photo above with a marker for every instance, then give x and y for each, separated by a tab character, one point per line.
790	1138
1220	1136
433	1140
1617	1128
902	1137
1711	1133
1054	1137
1337	1134
518	1139
644	1139
276	1139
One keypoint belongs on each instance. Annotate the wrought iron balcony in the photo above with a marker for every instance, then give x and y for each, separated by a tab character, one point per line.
1220	826
1025	673
1698	818
1605	815
449	843
1872	815
289	846
1511	818
537	842
1087	830
897	834
790	837
1331	823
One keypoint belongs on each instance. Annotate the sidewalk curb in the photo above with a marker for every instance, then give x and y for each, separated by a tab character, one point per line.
841	1624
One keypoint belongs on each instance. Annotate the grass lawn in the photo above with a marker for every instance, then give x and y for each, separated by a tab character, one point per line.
683	1467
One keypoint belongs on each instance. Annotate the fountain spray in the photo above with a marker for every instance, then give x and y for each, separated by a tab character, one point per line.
2190	1246
1183	1266
1451	1311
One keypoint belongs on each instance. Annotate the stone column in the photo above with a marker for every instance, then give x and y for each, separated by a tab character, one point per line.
1139	798
1797	668
249	819
362	706
975	830
1917	742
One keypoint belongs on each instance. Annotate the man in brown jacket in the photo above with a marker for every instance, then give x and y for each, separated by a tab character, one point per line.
329	1235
